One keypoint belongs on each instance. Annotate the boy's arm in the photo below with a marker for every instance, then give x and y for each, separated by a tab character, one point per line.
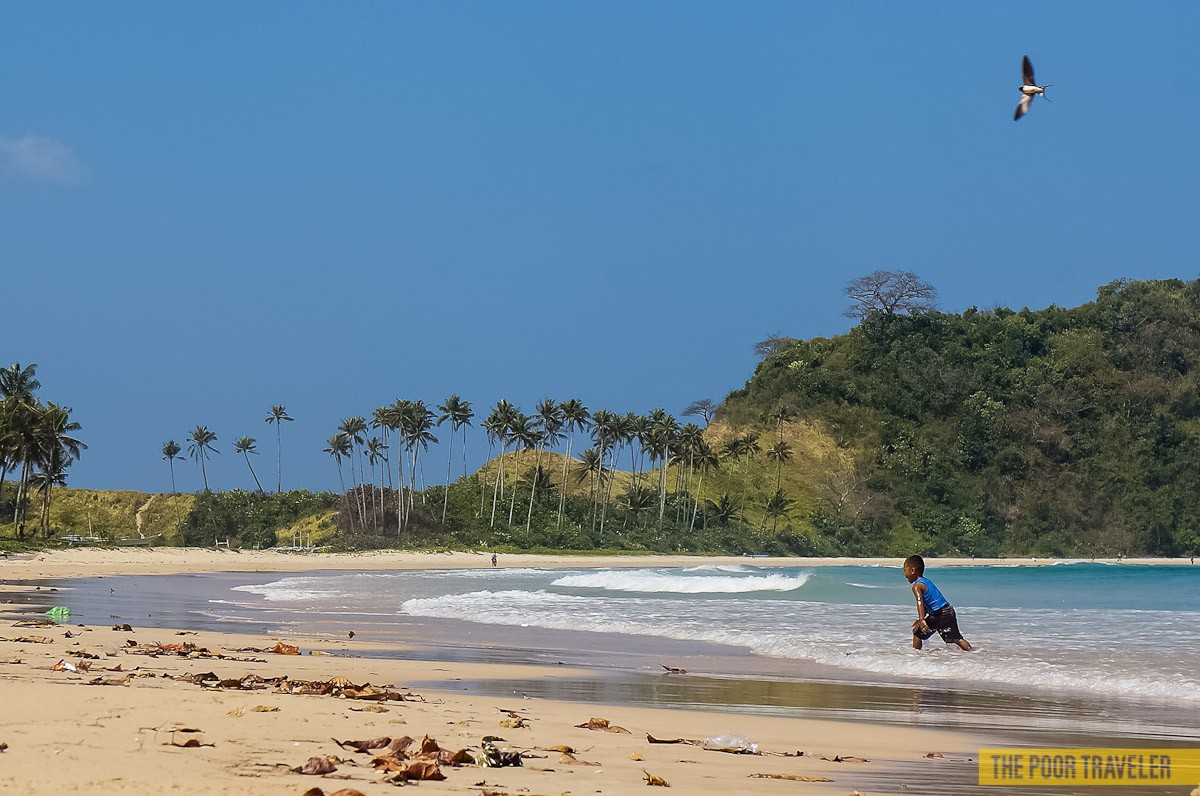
918	592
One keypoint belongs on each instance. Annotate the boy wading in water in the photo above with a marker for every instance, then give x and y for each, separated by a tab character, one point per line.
934	612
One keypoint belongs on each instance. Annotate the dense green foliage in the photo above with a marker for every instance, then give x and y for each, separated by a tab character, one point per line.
249	519
1049	432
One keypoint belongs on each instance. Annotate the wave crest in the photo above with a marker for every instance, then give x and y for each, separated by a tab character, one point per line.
647	581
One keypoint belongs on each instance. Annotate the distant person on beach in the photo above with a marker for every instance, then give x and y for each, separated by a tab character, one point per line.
934	612
493	559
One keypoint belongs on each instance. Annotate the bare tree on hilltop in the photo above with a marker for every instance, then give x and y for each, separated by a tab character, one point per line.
705	408
772	345
890	293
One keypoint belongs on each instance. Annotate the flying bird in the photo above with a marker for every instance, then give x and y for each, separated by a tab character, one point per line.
1029	89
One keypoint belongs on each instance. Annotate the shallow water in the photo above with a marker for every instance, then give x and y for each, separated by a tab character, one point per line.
1088	655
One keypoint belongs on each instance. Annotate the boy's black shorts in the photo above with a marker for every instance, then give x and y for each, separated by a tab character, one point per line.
944	622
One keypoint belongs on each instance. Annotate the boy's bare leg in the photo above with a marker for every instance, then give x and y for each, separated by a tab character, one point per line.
916	643
964	645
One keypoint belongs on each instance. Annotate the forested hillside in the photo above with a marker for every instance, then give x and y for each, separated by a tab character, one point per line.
1054	431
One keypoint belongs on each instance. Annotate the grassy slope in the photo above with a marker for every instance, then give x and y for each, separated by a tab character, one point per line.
818	473
111	515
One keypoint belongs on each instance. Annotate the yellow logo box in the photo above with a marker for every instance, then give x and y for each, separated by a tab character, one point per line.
1089	767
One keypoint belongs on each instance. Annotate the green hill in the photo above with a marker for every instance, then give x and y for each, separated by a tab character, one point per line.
1055	431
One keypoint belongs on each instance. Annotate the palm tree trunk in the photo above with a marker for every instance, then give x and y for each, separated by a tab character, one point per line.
537	469
499	480
278	459
251	466
562	490
446	491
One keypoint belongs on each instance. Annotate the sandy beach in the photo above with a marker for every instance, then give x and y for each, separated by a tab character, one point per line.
114	710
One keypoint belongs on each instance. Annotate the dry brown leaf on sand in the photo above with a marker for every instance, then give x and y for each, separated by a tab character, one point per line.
569	759
691	741
562	747
3	746
342	792
601	724
514	724
265	708
190	743
318	766
792	777
418	770
284	649
635	756
363	746
651	779
371	709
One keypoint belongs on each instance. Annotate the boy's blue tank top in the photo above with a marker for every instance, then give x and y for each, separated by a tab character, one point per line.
932	597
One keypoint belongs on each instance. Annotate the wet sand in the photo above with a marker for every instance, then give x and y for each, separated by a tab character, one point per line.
66	735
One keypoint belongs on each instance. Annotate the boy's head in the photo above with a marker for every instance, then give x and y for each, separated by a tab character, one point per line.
914	567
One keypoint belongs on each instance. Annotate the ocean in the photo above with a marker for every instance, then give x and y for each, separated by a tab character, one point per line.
1097	652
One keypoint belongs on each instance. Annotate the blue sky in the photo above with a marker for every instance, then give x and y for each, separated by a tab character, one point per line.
208	209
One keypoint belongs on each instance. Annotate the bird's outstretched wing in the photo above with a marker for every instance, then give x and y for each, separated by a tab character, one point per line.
1027	71
1023	106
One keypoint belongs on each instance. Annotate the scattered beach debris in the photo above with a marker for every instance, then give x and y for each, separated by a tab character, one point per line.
418	770
672	669
652	779
337	686
601	724
64	666
935	756
563	748
190	743
374	743
518	723
342	792
371	709
284	649
110	680
30	640
3	746
59	612
569	759
124	628
843	759
791	777
636	756
734	744
691	741
317	766
35	623
265	709
184	649
495	758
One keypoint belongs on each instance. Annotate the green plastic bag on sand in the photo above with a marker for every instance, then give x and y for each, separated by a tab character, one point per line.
59	612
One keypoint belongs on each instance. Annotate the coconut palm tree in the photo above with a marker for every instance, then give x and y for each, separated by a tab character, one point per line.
550	423
278	415
575	418
355	428
17	388
339	448
503	419
704	458
663	434
605	427
245	446
199	446
54	451
458	414
779	453
777	506
19	382
377	455
170	452
416	423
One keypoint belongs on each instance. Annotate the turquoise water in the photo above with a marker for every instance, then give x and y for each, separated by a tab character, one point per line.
1111	630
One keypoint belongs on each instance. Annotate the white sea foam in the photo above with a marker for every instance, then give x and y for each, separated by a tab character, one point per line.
656	581
308	589
858	637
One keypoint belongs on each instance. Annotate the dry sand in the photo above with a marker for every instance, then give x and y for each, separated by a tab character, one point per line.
65	734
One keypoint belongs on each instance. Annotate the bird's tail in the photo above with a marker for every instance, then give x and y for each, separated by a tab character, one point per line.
1043	88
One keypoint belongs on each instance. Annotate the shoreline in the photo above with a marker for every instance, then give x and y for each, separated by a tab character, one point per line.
111	739
95	561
